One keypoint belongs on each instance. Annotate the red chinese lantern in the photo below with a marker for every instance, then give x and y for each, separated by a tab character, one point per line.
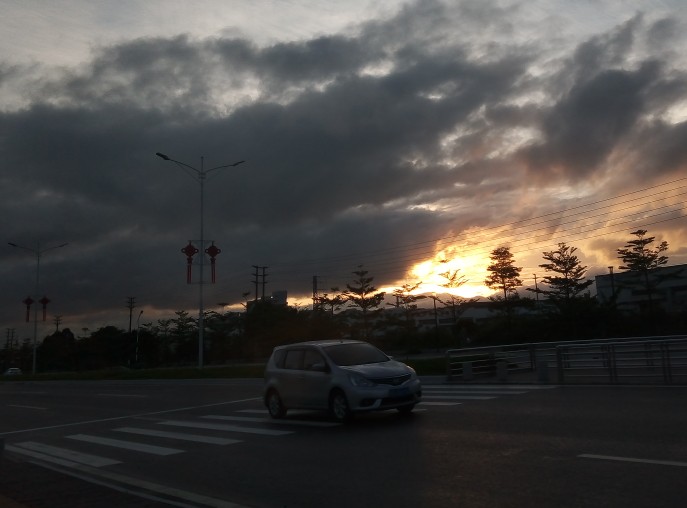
212	251
44	302
190	251
28	303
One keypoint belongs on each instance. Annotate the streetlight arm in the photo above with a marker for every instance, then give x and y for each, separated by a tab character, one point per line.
167	158
38	252
198	172
225	166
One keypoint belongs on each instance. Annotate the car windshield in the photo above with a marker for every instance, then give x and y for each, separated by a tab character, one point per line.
355	354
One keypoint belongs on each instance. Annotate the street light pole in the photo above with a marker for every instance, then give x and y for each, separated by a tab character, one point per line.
138	328
37	252
200	175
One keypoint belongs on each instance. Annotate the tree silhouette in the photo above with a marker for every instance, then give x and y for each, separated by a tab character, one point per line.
639	258
503	274
362	294
453	281
568	281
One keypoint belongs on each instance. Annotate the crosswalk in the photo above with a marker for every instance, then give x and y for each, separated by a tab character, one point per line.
167	437
453	395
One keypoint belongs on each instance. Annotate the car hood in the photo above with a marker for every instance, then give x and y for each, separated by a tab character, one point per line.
391	368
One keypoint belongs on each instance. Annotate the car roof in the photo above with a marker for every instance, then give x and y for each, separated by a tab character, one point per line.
321	343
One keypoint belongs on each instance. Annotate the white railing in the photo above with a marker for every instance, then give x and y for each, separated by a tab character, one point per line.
658	360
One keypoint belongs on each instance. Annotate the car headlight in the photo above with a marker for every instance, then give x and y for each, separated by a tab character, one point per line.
358	380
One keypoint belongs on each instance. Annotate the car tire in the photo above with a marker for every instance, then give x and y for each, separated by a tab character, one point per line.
338	406
274	404
406	410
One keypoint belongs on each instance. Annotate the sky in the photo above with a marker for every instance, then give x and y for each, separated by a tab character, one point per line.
409	138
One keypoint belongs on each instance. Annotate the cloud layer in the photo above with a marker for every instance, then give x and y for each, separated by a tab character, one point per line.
368	145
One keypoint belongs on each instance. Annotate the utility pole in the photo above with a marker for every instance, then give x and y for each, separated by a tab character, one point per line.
315	293
130	304
10	339
57	320
264	281
257	275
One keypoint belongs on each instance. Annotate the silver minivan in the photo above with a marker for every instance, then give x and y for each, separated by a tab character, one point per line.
342	376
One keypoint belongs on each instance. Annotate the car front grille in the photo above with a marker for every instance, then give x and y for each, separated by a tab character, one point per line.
393	381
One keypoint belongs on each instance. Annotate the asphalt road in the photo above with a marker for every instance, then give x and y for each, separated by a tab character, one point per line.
209	443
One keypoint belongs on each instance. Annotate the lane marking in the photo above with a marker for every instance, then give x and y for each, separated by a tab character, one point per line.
471	392
42	456
129	395
127	445
27	407
457	397
106	479
226	428
440	403
490	387
178	435
137	415
631	459
272	421
81	458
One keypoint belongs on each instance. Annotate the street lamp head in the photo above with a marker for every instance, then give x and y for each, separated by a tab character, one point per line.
237	163
162	156
12	244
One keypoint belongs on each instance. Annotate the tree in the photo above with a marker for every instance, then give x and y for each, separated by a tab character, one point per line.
330	303
503	274
362	294
453	281
406	299
637	255
639	258
569	279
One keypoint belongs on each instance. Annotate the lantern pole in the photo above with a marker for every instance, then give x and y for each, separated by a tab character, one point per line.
37	252
199	175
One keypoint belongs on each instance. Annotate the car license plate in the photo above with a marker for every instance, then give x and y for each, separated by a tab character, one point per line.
399	392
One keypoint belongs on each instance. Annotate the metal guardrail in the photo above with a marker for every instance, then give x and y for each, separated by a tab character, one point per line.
656	360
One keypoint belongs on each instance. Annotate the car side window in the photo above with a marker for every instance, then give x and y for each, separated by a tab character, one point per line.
294	359
279	358
311	358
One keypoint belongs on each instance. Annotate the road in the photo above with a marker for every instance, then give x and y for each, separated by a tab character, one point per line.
200	443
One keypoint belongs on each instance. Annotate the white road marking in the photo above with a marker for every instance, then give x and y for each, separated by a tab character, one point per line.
115	480
54	451
226	428
138	415
129	395
424	403
26	407
178	435
631	459
271	421
489	387
471	392
127	445
457	397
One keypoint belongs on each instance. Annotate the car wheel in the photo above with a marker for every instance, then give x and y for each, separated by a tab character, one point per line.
274	405
406	410
338	406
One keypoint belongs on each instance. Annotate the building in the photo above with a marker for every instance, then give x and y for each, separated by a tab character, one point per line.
668	283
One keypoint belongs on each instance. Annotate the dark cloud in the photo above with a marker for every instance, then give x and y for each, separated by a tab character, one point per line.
586	125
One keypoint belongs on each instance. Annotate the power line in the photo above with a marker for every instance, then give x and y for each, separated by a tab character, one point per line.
523	235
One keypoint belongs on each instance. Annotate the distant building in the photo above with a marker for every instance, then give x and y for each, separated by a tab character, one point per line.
280	297
669	289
